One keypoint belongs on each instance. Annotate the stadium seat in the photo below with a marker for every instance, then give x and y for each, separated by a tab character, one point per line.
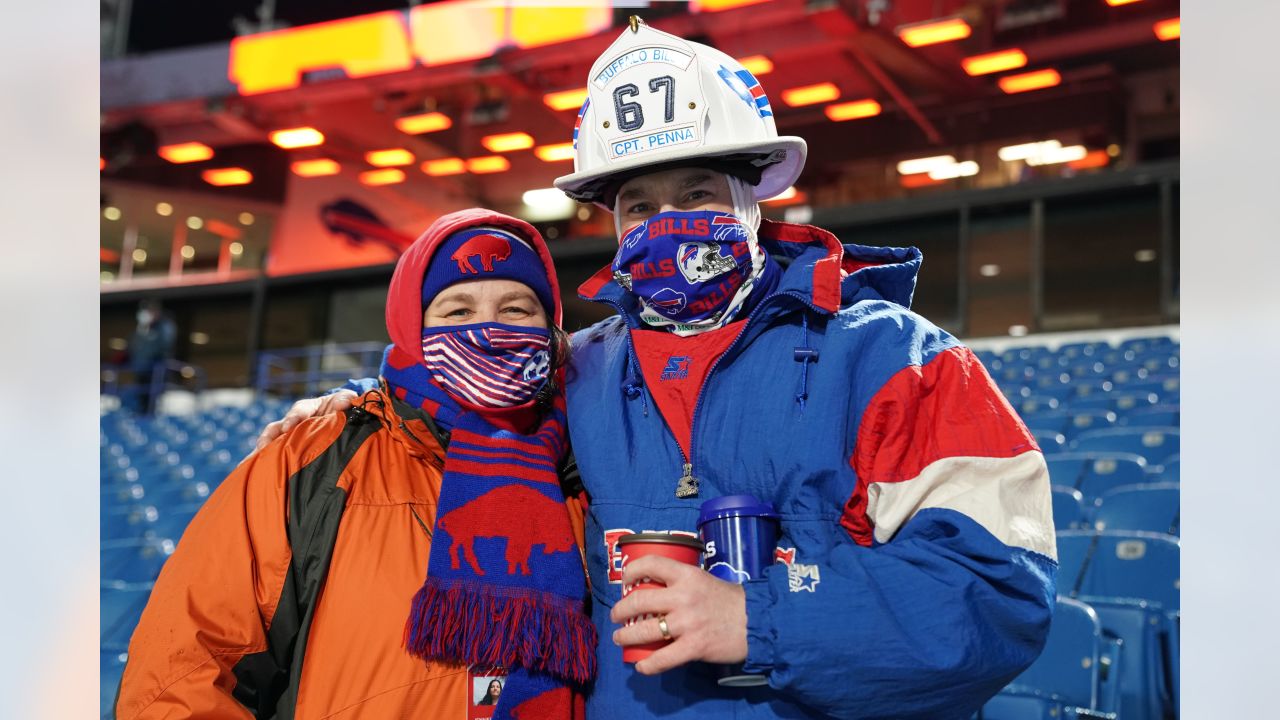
112	669
1152	507
130	562
1068	508
1119	564
1081	421
1152	416
127	522
1154	444
121	608
1066	675
1104	471
1065	469
1131	580
1171	470
1049	440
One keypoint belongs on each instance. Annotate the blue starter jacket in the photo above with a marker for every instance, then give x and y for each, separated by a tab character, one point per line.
917	558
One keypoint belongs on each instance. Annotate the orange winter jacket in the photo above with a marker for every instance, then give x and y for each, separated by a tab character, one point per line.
288	594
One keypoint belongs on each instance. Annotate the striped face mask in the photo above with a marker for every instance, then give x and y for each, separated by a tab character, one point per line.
490	365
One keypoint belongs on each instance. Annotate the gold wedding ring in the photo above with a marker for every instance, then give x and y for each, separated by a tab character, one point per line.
662	627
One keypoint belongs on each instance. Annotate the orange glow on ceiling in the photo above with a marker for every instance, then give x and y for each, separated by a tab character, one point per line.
994	62
790	196
852	110
444	166
227	176
718	5
102	163
1170	29
1095	159
223	230
918	181
315	168
810	94
386	176
934	32
297	137
446	32
361	46
756	65
489	164
186	152
423	123
1036	80
565	99
507	142
554	153
1114	3
391	157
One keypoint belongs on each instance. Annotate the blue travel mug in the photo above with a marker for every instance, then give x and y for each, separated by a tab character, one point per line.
741	533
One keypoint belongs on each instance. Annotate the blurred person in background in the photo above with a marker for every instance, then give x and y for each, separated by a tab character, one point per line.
917	556
356	567
150	347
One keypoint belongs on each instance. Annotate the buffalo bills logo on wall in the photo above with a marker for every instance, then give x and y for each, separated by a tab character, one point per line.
488	248
668	301
700	262
747	87
361	226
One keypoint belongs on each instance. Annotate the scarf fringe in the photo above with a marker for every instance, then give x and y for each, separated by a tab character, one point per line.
455	621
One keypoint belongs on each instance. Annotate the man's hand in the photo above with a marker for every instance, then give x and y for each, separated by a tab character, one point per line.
706	616
303	409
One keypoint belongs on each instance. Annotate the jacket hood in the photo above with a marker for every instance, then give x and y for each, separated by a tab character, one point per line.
404	297
828	274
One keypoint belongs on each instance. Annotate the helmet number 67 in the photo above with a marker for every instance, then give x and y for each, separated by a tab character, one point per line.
631	115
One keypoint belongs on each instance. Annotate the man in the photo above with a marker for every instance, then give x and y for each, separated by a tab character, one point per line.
917	557
149	348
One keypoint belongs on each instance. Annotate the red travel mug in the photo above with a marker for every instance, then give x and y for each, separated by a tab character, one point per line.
681	548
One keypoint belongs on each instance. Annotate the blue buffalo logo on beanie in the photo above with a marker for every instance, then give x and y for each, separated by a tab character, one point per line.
486	253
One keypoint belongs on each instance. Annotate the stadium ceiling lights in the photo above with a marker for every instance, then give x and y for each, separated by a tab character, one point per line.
298	137
444	167
423	123
925	164
390	157
855	110
489	164
1054	156
547	204
185	152
1117	3
386	176
756	65
554	153
1170	29
315	168
565	99
1026	82
696	6
507	142
1010	59
810	94
968	168
222	177
933	32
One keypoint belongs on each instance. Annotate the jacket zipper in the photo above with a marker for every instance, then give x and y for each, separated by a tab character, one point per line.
687	485
431	457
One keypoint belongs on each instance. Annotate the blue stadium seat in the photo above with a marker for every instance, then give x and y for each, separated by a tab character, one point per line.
1171	470
1154	444
1081	421
1106	470
1050	441
130	562
127	522
1152	416
1152	507
1066	675
112	669
1068	508
1065	469
1131	580
120	610
1120	564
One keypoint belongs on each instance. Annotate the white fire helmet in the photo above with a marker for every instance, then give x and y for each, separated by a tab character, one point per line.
654	99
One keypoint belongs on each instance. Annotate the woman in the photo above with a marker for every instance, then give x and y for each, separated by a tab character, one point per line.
492	694
362	564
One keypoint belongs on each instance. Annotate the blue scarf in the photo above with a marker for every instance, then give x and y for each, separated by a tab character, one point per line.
505	584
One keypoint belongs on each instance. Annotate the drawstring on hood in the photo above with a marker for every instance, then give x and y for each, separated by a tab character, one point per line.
804	354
